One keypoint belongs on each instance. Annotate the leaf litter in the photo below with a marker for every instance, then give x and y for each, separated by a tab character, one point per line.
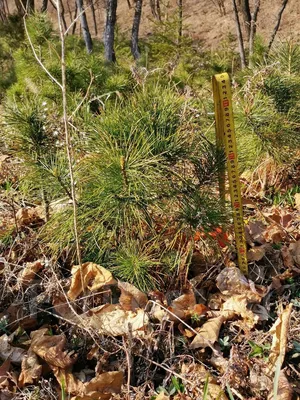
218	335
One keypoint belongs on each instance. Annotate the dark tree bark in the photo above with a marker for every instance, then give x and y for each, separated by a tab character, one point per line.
246	16
75	16
109	34
62	12
239	35
253	30
44	6
275	30
91	4
84	26
180	19
135	29
25	6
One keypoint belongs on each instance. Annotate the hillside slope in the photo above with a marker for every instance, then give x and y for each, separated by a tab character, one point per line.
202	18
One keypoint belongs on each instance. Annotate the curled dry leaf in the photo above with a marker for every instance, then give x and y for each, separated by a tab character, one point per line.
112	320
279	331
256	231
29	272
65	309
102	387
256	253
7	351
31	369
4	369
131	298
90	276
208	334
51	348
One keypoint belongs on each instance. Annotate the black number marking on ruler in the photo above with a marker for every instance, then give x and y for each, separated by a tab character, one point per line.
226	140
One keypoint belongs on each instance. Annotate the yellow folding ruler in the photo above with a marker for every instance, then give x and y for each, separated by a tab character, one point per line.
225	135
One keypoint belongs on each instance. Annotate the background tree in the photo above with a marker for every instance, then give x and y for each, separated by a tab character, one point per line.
245	8
239	34
275	30
135	29
84	26
109	34
44	5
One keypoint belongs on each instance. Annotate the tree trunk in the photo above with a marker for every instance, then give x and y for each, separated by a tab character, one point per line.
75	16
25	6
253	31
44	6
135	29
84	26
239	35
109	34
91	3
180	19
283	5
246	16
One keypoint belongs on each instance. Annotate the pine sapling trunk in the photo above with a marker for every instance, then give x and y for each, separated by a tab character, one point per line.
239	35
67	133
135	29
109	34
84	26
91	4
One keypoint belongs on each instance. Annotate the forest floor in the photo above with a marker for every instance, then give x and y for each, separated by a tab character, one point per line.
215	334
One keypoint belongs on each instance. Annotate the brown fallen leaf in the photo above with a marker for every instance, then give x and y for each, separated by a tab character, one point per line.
287	257
256	231
31	369
162	396
112	320
275	234
51	348
90	276
297	201
15	354
4	369
256	253
238	305
279	331
29	272
208	334
131	298
29	216
285	390
295	251
102	387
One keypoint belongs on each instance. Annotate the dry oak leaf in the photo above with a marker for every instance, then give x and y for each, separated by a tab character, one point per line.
112	320
208	334
102	387
256	231
131	298
90	276
4	370
15	354
31	369
29	272
237	305
295	251
51	348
